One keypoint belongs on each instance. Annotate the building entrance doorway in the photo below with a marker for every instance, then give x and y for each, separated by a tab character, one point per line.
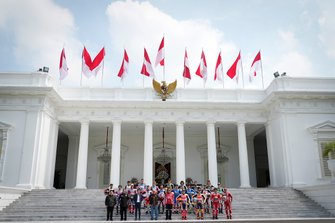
261	160
162	172
61	160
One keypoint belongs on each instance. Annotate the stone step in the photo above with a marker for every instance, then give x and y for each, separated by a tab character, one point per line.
58	205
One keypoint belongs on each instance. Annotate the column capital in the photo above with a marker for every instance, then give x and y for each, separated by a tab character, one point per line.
180	122
241	122
210	122
148	121
56	121
117	122
85	122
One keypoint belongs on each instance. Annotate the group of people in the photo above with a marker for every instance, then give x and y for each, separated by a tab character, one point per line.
197	199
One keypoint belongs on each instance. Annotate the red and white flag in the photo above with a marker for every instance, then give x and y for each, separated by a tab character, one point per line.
86	63
160	54
147	67
218	76
256	67
235	69
97	63
202	68
89	67
63	69
186	72
124	66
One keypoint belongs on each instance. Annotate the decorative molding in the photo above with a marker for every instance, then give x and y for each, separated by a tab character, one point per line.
160	115
327	126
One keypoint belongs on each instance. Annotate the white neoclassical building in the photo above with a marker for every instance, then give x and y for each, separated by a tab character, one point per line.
52	136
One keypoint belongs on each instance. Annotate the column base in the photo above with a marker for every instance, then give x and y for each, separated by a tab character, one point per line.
80	187
25	186
40	187
245	186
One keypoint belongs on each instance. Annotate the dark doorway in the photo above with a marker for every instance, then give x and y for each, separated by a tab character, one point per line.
61	160
261	159
162	173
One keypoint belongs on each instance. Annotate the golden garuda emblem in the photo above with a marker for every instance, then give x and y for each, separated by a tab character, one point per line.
163	90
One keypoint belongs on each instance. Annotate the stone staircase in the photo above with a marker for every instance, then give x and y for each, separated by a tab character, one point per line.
88	205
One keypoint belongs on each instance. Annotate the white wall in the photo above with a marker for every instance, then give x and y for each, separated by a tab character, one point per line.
322	194
15	141
305	159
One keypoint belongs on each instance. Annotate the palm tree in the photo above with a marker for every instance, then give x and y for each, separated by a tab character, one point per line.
329	148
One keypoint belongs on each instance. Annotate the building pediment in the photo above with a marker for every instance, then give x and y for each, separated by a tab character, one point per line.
324	126
323	131
4	126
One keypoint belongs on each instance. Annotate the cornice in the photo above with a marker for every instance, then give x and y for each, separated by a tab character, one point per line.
86	98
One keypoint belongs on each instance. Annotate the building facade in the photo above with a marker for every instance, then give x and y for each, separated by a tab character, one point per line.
52	136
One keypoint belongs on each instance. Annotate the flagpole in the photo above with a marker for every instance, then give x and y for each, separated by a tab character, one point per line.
103	66
242	71
164	59
222	81
261	69
102	75
222	70
60	81
164	71
142	66
81	75
143	80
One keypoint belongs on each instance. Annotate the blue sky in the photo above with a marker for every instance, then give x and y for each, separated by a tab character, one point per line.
296	37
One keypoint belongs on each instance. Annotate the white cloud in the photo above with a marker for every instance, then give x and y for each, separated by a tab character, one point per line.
295	64
41	28
289	39
327	27
135	25
290	59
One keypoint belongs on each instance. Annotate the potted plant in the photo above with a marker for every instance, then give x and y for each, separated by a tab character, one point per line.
329	149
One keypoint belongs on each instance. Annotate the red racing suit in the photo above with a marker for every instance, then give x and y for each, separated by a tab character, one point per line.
215	198
227	203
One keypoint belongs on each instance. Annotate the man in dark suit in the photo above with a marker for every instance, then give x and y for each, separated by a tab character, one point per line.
138	198
110	202
123	201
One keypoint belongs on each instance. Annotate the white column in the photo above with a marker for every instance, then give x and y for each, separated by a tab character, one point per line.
72	161
82	156
243	155
148	153
180	153
116	154
53	153
43	151
271	157
212	160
